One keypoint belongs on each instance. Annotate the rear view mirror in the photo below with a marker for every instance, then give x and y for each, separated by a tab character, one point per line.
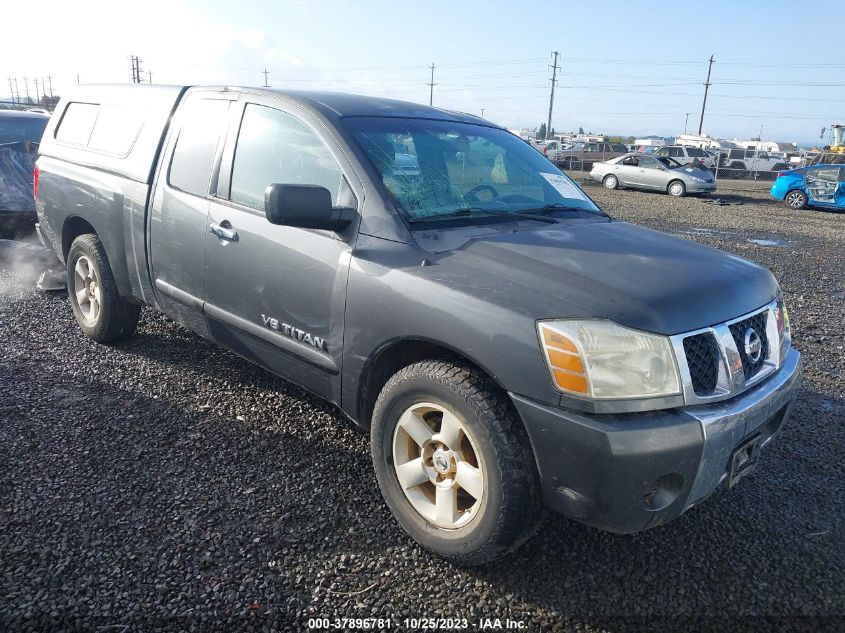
305	207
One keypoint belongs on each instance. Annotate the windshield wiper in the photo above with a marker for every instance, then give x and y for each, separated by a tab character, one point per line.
558	206
471	211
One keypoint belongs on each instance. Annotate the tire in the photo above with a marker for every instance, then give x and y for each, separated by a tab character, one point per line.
677	189
796	199
486	436
610	182
102	314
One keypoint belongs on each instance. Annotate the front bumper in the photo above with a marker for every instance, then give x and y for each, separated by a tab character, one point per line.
629	472
701	187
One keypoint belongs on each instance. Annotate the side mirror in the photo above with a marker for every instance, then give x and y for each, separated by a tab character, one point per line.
305	207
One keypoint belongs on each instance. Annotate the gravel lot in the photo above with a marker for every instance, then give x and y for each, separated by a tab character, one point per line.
166	484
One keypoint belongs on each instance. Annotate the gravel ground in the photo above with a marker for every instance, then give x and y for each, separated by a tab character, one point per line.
166	484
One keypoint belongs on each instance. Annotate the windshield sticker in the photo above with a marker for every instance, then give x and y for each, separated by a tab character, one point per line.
564	186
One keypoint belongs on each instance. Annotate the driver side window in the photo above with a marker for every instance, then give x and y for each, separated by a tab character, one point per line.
274	146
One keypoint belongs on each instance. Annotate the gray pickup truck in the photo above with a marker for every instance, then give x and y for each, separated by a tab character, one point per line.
506	344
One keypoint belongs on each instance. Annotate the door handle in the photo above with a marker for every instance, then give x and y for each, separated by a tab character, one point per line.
223	232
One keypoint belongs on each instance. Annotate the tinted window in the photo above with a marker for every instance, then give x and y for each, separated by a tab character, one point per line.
193	158
694	151
116	129
78	123
619	148
276	147
14	129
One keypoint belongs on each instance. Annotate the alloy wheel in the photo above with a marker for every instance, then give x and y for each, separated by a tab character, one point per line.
86	288
795	200
437	465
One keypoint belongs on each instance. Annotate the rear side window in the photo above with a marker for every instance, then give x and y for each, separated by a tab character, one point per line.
829	174
109	129
276	147
78	123
116	129
694	151
196	146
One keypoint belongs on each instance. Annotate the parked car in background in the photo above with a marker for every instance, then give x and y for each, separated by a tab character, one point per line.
816	186
653	173
20	135
687	155
743	163
580	155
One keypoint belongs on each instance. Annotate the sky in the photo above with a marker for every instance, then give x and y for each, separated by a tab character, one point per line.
626	67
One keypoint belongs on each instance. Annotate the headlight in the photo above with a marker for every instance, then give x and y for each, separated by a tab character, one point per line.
602	360
697	179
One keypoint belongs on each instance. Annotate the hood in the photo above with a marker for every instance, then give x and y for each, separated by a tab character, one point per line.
697	172
631	275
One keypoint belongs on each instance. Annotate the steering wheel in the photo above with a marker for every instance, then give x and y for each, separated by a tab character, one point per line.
473	193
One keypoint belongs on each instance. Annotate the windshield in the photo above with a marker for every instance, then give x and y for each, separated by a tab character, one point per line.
438	168
671	163
17	129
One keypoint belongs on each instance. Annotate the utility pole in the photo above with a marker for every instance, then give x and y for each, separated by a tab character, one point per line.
686	120
11	90
26	87
17	92
37	92
150	76
77	77
135	62
704	103
50	80
552	96
431	86
265	72
482	113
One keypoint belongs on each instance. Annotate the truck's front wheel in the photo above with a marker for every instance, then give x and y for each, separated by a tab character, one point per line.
454	463
100	311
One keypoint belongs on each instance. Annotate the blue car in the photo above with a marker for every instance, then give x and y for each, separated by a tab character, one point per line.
818	186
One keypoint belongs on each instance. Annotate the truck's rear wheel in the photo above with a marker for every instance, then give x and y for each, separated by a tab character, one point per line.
453	462
100	311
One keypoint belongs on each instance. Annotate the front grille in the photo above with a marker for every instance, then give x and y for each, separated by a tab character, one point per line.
738	330
702	354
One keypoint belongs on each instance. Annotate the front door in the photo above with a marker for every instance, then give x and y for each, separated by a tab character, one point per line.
276	294
651	173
